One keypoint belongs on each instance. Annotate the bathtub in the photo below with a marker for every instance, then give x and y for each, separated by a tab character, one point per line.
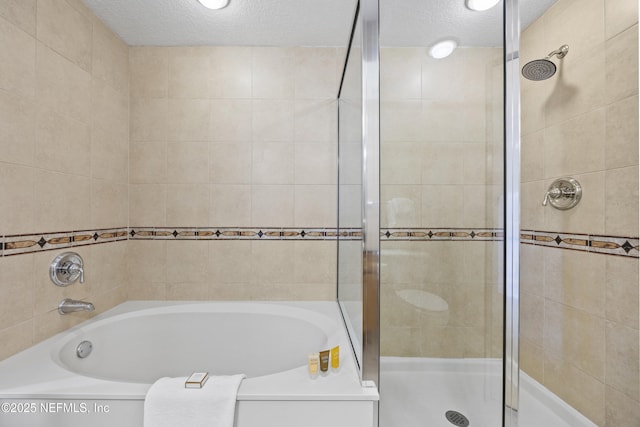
138	342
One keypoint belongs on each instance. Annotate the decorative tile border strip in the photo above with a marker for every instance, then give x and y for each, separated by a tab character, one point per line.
610	245
240	233
440	234
28	243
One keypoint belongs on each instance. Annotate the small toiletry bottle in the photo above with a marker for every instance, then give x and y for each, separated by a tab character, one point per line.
314	365
324	362
335	358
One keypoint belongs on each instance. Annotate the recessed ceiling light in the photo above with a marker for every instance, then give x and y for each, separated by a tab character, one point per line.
481	5
443	49
214	4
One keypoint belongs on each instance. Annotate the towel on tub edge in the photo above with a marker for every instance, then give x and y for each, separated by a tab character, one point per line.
169	404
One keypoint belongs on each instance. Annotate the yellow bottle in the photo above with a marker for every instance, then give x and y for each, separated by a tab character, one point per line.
335	358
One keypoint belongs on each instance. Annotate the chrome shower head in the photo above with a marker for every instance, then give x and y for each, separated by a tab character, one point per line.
542	69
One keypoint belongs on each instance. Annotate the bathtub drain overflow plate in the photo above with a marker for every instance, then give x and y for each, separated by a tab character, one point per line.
457	419
84	349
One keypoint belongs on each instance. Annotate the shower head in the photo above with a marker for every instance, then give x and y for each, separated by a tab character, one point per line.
542	69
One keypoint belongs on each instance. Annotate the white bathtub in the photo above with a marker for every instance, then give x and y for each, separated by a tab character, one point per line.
138	342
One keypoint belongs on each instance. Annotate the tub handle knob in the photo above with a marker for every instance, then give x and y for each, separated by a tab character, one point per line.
66	268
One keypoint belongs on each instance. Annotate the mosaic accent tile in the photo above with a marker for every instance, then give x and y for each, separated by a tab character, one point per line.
610	245
238	233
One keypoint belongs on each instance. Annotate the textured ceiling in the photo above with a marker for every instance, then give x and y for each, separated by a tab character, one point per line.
302	22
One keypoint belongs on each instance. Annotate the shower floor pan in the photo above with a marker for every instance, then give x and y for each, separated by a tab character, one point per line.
418	392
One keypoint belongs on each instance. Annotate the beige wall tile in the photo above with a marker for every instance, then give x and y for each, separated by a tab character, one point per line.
315	263
62	144
231	120
18	185
453	121
108	269
146	263
315	163
149	119
622	360
17	130
272	121
315	73
443	164
272	262
532	318
16	338
622	291
579	86
109	155
148	163
577	337
147	205
533	100
622	133
110	111
51	323
21	13
401	73
620	409
230	206
532	156
272	205
189	119
273	72
619	15
532	269
193	258
55	213
109	204
315	120
400	205
442	203
582	391
475	163
475	206
401	120
187	205
579	24
18	67
230	163
621	201
147	291
149	72
402	163
188	162
532	360
622	65
230	72
532	211
66	31
575	279
187	291
17	287
272	163
110	59
575	146
315	206
189	72
230	262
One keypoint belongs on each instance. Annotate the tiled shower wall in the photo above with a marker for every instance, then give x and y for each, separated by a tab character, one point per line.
579	309
64	147
241	138
441	121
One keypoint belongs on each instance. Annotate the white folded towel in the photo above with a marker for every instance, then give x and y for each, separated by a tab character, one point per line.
169	404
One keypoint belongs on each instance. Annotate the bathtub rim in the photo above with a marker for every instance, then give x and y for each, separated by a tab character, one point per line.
33	374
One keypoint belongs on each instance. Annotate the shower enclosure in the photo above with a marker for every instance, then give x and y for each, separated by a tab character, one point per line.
430	199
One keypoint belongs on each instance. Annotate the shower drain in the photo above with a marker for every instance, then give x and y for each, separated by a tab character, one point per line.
457	419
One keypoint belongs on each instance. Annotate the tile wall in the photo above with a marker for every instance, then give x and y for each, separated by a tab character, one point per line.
64	148
240	138
441	122
579	309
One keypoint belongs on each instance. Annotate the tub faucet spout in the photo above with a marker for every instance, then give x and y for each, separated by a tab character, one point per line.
68	305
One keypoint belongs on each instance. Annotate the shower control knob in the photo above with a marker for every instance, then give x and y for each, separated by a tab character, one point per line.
563	194
66	268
